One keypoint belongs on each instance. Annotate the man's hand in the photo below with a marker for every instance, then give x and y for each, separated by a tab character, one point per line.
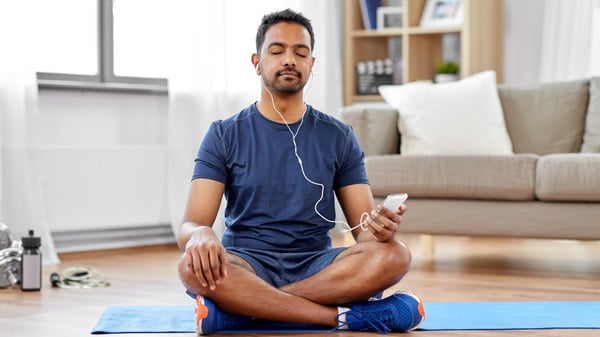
206	257
383	223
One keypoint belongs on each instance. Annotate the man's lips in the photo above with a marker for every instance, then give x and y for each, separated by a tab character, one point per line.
288	73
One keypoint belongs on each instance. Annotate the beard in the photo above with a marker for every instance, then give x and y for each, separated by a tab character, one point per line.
284	85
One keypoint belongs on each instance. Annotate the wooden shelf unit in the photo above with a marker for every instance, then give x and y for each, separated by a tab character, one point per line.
481	43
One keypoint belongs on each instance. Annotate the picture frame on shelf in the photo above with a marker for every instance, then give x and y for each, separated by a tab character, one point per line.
442	13
389	17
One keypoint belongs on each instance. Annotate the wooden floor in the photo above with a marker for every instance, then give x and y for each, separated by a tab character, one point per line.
463	269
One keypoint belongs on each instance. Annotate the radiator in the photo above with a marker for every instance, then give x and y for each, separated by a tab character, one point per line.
112	238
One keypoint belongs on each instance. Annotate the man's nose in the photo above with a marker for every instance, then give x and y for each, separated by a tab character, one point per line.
289	60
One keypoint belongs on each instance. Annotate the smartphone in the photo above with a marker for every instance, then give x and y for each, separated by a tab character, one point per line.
393	201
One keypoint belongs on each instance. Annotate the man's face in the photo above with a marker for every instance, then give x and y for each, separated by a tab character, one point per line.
286	58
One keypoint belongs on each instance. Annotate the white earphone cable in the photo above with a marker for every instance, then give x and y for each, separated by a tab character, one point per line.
364	216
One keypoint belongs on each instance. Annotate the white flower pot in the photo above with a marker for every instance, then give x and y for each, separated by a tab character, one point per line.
441	78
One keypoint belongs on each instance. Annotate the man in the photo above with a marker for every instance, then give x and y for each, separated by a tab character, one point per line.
279	163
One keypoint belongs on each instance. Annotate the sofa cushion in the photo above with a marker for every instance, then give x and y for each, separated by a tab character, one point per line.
374	127
591	136
545	118
509	177
462	117
568	177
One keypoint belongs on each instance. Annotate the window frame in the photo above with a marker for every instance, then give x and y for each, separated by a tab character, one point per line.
105	80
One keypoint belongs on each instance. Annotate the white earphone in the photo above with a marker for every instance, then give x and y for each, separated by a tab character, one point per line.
364	216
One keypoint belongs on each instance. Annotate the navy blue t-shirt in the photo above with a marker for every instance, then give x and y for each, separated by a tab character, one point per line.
270	205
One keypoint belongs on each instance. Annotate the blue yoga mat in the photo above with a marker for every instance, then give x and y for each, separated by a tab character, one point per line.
511	315
439	316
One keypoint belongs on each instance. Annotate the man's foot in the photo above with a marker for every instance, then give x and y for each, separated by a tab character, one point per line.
210	319
399	312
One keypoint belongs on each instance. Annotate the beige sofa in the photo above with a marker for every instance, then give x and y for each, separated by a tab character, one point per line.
549	188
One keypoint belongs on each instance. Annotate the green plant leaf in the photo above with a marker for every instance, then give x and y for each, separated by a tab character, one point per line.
447	67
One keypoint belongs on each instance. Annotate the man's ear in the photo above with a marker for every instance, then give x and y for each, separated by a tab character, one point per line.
256	62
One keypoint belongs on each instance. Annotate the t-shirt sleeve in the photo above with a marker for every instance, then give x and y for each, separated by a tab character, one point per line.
210	162
352	169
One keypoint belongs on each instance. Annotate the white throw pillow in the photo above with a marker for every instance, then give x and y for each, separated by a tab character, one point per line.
462	117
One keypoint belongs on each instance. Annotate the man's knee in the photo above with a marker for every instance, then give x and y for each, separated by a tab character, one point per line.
187	276
393	257
403	257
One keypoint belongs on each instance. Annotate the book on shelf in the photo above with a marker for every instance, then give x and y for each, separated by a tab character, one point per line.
368	9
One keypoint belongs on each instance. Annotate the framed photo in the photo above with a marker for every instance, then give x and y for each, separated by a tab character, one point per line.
442	13
389	17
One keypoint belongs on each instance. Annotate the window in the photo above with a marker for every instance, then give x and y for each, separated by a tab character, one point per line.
102	44
66	43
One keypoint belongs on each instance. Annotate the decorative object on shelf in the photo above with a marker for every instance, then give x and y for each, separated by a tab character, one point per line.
442	13
373	73
368	9
398	76
389	17
447	71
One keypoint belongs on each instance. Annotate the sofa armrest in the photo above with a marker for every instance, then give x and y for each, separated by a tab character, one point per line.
376	128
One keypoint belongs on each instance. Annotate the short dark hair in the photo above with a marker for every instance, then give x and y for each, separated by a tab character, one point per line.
286	15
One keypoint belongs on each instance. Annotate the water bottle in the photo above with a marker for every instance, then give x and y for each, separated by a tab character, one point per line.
31	263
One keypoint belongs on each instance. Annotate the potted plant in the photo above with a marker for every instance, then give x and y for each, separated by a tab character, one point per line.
447	71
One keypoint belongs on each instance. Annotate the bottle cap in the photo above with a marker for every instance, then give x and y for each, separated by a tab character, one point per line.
31	242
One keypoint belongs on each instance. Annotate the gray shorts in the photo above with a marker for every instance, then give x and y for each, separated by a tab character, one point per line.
279	269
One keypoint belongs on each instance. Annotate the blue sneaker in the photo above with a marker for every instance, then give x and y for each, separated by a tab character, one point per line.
210	319
399	312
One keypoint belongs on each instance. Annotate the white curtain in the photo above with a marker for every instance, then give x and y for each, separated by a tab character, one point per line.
595	53
212	76
570	40
21	207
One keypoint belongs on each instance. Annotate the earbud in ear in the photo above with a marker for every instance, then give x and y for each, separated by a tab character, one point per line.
257	69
